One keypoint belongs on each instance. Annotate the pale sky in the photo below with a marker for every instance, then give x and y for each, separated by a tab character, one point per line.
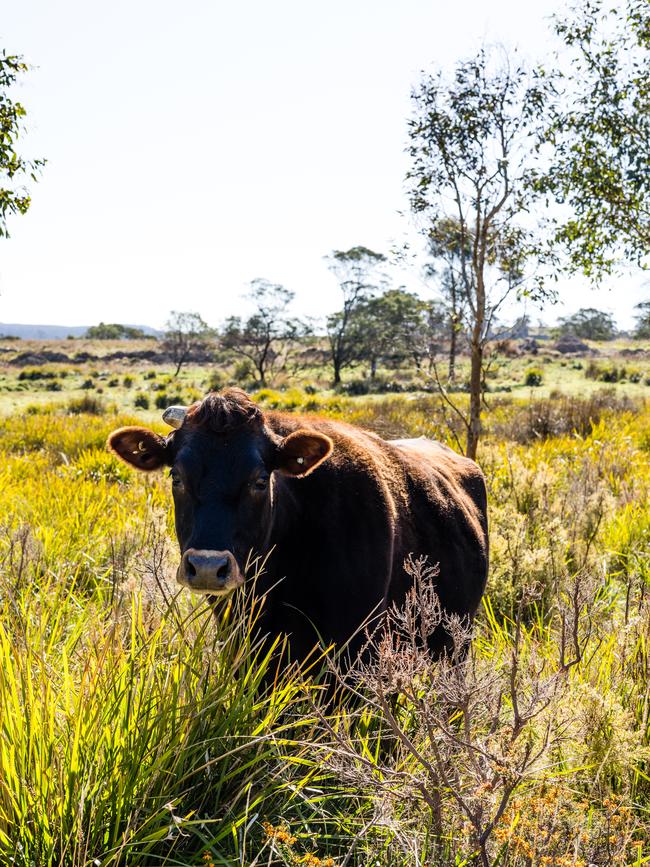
195	146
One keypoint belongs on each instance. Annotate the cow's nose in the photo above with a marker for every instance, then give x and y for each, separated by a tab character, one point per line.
209	571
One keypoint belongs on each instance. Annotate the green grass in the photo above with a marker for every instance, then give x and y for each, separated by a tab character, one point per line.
135	727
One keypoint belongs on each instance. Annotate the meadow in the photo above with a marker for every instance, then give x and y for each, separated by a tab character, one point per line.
135	728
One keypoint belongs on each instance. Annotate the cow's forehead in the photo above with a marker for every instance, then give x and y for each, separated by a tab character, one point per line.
230	455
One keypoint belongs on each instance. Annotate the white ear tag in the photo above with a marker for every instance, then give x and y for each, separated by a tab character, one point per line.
300	460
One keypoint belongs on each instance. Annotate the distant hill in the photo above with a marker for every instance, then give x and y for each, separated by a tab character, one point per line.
56	332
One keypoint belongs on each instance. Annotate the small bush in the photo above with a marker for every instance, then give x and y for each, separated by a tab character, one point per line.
55	385
113	383
534	377
243	373
87	404
87	383
150	374
164	400
141	401
32	374
127	382
216	380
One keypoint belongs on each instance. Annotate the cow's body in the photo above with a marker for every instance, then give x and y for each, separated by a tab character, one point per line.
339	530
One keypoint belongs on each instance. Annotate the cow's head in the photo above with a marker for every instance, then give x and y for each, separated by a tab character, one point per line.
224	462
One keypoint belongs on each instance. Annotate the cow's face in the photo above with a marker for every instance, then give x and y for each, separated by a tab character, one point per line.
224	482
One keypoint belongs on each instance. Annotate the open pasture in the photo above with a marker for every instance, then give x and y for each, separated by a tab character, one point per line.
134	730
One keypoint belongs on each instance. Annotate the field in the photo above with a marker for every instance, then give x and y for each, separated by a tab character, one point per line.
134	726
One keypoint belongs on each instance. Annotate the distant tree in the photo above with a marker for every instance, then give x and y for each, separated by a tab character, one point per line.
265	338
589	323
356	270
449	248
114	331
14	168
471	141
642	330
185	334
599	136
396	323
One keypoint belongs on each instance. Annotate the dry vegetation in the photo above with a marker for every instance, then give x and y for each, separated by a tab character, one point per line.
134	728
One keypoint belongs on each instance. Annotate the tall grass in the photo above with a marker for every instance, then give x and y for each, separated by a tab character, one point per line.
136	727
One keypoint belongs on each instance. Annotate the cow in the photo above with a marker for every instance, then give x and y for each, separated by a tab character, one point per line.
334	509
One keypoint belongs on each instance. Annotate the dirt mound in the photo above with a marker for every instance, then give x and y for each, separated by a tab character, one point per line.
569	343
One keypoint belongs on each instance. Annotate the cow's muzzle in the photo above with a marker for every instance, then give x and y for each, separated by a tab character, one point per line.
212	572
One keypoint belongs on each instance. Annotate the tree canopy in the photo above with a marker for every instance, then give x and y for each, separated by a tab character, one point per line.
598	138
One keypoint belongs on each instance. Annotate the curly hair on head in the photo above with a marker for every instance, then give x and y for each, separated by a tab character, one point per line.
222	412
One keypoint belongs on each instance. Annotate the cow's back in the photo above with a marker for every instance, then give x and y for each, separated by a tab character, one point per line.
348	527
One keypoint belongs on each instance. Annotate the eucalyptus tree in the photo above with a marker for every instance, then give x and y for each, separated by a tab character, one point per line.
448	245
598	136
185	334
471	138
266	336
358	273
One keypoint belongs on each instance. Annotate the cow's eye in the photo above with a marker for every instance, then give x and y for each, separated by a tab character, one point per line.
261	484
175	477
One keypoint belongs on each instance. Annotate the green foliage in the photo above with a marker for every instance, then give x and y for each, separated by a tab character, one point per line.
141	400
599	137
14	169
114	331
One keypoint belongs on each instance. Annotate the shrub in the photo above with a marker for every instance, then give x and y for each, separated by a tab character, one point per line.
216	380
244	373
87	383
87	404
32	374
150	374
54	385
164	400
141	401
127	382
113	383
534	377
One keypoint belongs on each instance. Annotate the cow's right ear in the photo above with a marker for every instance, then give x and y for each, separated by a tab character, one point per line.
139	447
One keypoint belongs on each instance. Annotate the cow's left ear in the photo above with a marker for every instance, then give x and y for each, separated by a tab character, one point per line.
302	451
140	447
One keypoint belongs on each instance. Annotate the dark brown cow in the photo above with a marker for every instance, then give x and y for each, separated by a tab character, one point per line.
338	508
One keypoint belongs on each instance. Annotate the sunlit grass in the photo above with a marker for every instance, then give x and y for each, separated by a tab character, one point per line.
137	728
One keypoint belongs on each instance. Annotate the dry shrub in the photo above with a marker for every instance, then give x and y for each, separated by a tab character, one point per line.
557	415
460	759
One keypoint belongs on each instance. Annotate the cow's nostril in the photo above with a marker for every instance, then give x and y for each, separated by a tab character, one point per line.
190	568
224	570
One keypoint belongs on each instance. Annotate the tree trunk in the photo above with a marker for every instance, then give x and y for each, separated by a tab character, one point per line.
475	396
453	338
476	368
373	367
